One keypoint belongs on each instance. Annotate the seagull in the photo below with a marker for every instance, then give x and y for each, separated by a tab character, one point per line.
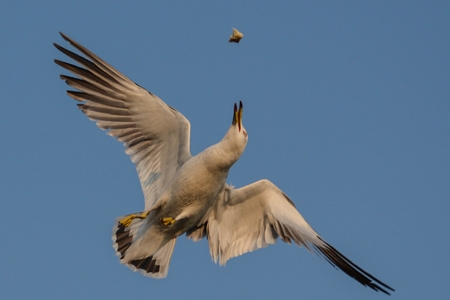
186	194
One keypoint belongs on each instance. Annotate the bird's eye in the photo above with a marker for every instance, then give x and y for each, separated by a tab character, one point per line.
245	133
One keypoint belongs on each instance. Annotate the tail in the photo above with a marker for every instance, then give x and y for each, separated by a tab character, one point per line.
141	248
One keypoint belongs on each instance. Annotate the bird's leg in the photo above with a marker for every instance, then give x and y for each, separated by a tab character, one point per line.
128	219
167	221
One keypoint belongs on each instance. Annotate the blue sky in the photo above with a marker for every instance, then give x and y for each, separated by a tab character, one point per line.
347	106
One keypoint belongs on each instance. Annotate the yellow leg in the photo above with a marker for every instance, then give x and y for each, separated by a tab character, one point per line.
128	219
167	221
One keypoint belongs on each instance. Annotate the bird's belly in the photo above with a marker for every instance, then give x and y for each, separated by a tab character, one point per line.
190	199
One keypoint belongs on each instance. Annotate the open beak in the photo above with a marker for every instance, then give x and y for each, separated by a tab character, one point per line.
237	117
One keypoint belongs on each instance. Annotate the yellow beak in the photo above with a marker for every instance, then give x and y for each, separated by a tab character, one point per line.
237	117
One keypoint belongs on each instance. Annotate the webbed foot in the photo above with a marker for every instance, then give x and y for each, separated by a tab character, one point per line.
167	221
128	219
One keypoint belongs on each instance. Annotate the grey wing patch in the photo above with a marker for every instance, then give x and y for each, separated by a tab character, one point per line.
152	178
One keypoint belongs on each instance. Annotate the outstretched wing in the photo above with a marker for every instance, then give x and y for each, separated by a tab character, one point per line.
254	216
156	136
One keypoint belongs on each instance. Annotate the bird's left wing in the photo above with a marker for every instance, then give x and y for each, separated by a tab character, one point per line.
252	217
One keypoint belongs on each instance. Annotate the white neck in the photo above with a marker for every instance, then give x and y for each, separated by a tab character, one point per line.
225	153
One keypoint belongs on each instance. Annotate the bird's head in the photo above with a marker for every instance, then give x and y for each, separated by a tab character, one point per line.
231	147
237	137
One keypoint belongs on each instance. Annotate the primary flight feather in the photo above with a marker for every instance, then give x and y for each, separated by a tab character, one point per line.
187	194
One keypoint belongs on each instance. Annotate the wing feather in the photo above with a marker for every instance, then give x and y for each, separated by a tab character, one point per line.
155	135
252	217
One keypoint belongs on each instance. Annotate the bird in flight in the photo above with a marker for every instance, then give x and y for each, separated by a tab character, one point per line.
187	194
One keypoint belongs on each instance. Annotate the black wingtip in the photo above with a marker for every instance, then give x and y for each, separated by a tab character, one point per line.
64	36
338	260
58	46
59	62
62	49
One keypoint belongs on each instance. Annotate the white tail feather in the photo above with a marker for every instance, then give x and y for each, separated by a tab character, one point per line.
141	248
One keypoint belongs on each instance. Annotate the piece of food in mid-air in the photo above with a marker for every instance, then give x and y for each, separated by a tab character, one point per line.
236	36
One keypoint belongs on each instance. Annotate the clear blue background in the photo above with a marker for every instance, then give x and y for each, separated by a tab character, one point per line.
347	107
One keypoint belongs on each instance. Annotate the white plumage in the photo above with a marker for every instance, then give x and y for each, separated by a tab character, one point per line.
187	194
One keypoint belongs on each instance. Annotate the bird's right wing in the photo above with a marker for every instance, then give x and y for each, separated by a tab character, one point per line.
252	217
156	136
